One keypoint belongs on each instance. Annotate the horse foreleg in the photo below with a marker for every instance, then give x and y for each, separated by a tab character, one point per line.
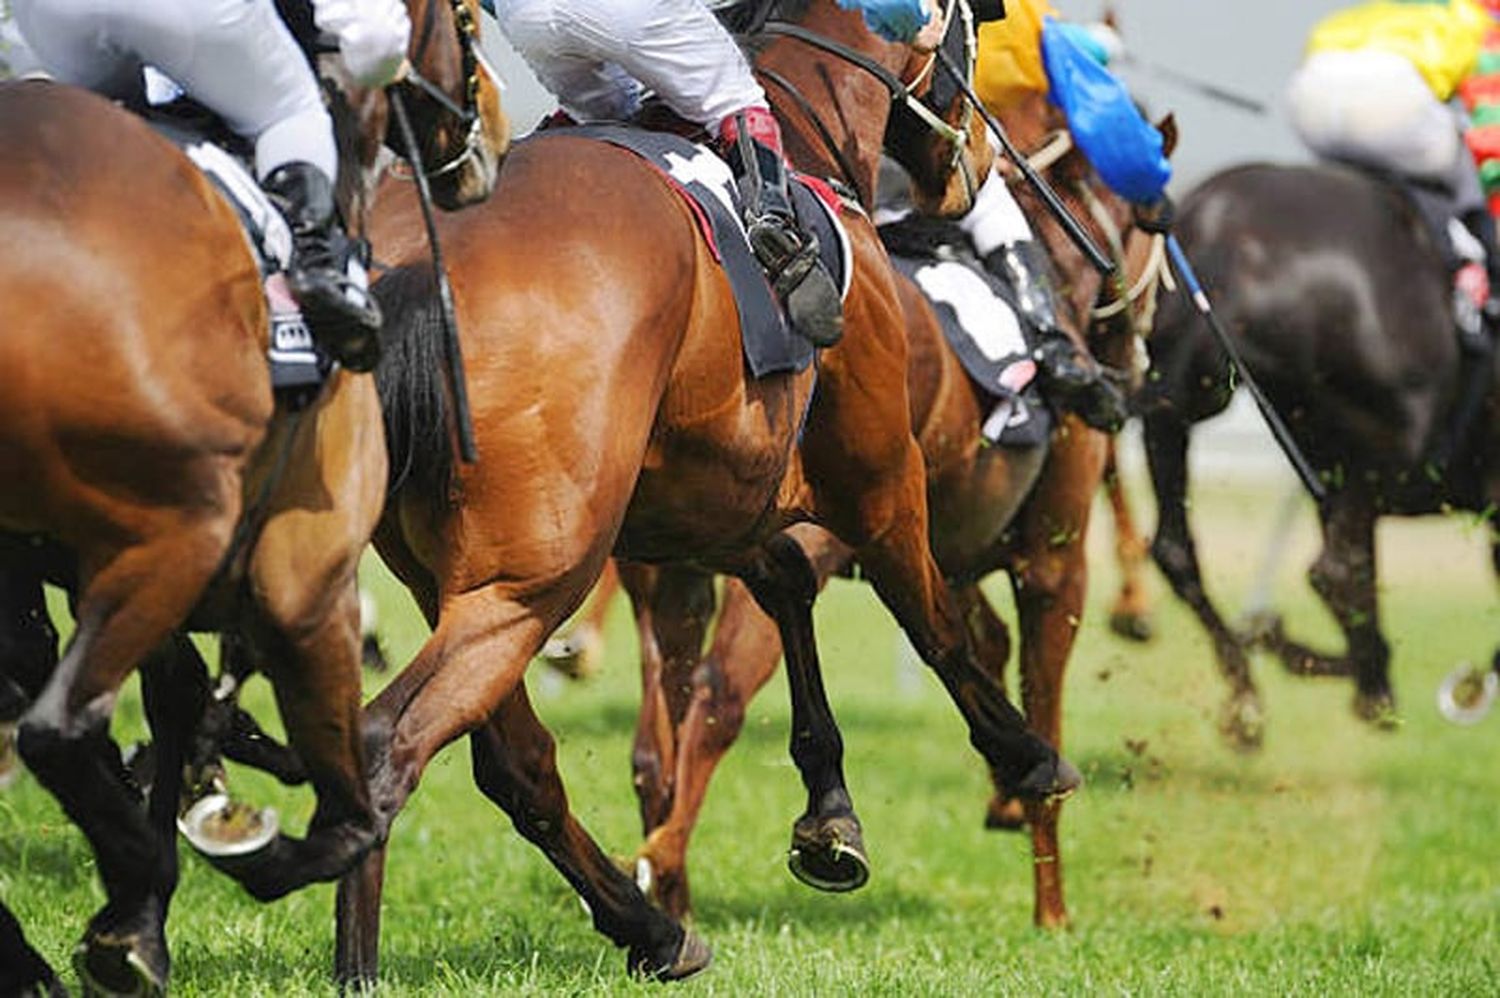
22	969
745	651
827	849
515	766
991	640
1050	582
653	744
1130	617
679	604
1242	721
472	661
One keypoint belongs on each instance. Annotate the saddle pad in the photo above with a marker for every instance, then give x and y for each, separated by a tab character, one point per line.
980	321
298	367
705	182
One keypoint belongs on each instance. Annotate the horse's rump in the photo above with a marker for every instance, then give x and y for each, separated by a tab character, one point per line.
134	325
1337	295
601	339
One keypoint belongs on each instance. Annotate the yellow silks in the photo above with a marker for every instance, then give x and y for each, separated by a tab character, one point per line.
1010	55
1442	40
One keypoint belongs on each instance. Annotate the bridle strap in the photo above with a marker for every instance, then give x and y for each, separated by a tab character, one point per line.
811	114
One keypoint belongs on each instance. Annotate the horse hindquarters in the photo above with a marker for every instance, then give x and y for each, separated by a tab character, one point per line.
572	328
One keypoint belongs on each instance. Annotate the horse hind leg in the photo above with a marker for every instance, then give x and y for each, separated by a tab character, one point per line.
1130	617
474	658
515	766
1242	721
1344	577
128	605
674	605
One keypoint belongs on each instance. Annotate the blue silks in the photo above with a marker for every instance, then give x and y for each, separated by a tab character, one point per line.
893	20
1124	148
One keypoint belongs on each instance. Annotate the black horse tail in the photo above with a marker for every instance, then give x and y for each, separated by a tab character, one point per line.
413	396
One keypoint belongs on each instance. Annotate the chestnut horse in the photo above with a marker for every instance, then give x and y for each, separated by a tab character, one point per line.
140	439
615	414
1026	511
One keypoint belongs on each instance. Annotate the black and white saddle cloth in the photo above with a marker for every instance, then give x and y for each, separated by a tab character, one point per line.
298	366
705	182
980	320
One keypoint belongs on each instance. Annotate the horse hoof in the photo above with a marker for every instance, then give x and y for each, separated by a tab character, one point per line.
1132	626
570	654
693	955
1242	723
217	827
1004	814
829	854
118	967
1378	710
1466	694
1052	780
1262	628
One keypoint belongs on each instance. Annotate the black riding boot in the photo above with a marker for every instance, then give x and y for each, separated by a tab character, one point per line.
341	314
787	252
1070	378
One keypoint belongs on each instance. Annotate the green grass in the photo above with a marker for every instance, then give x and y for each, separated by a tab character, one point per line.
1339	860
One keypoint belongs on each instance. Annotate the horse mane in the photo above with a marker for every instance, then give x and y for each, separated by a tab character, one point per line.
413	398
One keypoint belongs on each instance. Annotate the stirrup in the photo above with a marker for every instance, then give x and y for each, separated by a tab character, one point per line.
797	275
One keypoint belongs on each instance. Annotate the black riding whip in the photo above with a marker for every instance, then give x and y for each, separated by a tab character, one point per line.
1071	225
453	352
1279	430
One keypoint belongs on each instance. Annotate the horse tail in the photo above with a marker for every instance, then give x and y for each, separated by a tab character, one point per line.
413	396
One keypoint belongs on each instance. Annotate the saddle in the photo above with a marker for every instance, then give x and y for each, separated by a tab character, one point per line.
704	181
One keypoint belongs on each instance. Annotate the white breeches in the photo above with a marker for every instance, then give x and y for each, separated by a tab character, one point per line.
234	56
597	56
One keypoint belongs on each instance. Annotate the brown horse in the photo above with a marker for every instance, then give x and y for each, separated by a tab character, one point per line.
615	414
1025	511
140	437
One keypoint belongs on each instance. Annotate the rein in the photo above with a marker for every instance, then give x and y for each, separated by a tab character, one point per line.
472	65
902	92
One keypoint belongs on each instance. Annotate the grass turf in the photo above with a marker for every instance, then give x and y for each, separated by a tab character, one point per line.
1338	860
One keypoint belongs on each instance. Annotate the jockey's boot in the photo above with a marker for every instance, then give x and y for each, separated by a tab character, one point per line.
1070	377
787	252
1476	288
340	312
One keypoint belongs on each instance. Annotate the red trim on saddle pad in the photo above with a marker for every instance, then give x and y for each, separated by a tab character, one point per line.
705	228
825	192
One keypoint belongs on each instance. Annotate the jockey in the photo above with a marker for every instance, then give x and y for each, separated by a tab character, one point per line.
1011	69
1380	87
238	58
599	56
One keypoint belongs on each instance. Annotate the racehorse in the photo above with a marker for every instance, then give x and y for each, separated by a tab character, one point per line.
1026	511
141	440
612	403
1340	302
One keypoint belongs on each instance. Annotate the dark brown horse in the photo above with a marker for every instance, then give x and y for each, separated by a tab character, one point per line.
141	440
1025	511
1339	300
615	414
